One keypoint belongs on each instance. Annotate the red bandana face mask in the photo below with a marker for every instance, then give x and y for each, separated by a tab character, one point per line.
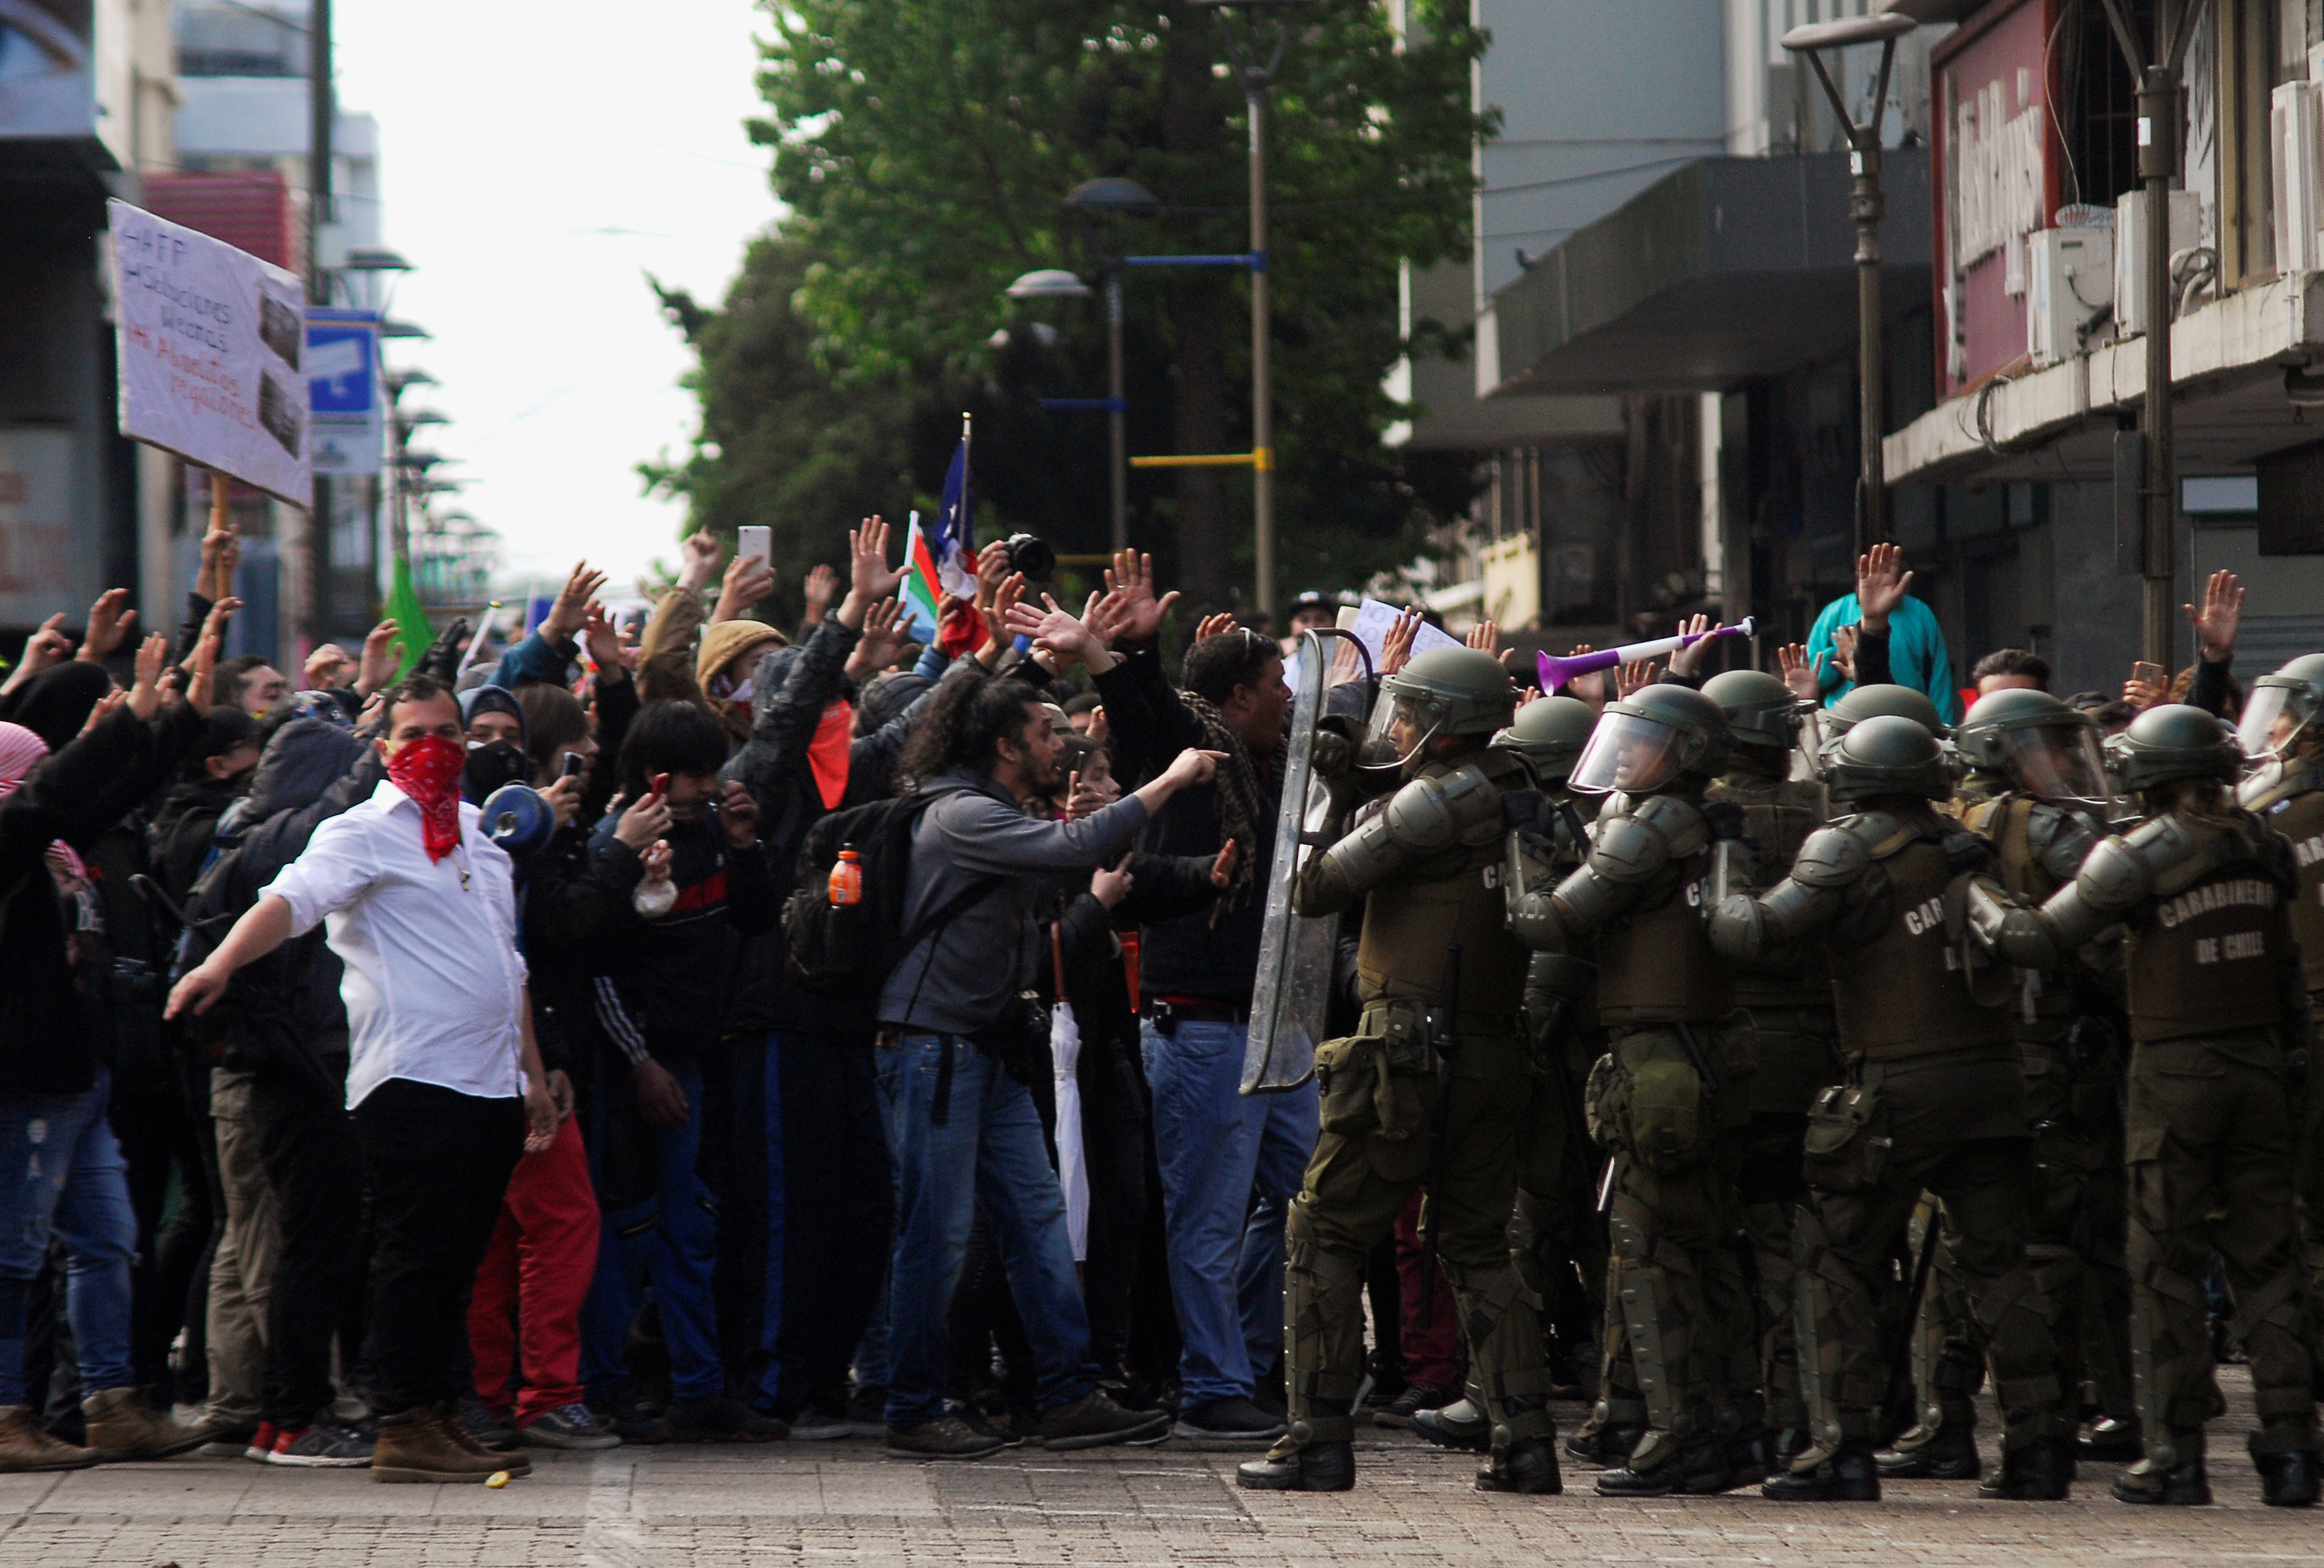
829	753
429	770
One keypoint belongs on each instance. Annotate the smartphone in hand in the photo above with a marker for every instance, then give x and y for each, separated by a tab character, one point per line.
2153	675
754	543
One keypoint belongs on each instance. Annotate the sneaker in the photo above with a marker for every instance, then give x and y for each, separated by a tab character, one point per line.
867	1413
1399	1411
946	1437
1093	1421
1225	1424
631	1418
25	1445
567	1427
721	1419
482	1422
261	1442
324	1445
812	1423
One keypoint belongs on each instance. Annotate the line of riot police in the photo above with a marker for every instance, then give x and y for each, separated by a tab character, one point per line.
1846	1059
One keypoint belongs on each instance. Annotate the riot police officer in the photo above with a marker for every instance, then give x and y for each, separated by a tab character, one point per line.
1874	702
1671	1095
2283	732
1433	1086
1787	992
2218	1004
2037	791
1555	1236
1933	1100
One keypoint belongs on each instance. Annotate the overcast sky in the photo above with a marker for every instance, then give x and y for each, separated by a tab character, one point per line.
536	162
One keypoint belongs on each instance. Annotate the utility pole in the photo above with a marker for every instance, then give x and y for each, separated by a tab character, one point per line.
309	563
1117	431
1866	206
2161	135
1262	369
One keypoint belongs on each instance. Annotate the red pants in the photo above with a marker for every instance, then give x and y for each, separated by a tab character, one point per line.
527	1305
1432	1350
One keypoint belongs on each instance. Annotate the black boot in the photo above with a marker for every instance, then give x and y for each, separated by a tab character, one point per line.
1697	1469
1530	1466
1458	1426
2039	1473
2112	1441
2180	1484
1605	1445
1750	1457
1848	1476
2287	1466
1950	1455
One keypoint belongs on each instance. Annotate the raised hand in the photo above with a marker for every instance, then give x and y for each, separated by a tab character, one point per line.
748	580
1590	688
382	656
325	665
880	642
108	623
1137	613
1485	637
698	558
221	553
1217	625
145	695
993	568
1395	647
1799	676
997	636
201	664
564	797
43	649
2221	616
1881	580
572	607
1843	651
1063	633
1632	678
604	641
820	588
103	709
644	823
1686	661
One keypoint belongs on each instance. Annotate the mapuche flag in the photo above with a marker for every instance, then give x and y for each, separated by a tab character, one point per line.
943	559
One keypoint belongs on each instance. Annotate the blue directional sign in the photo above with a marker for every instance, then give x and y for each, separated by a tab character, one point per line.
344	390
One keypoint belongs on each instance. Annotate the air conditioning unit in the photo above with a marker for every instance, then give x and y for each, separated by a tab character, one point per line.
2070	286
2296	121
2130	250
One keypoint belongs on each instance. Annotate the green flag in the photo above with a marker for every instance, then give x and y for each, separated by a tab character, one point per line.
405	608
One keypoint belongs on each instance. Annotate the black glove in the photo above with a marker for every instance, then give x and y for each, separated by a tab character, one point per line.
1727	821
442	659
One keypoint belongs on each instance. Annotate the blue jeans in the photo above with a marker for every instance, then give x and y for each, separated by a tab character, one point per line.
1231	1165
669	1240
61	1173
989	1147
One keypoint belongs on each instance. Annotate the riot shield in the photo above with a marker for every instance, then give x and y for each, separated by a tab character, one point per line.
1297	954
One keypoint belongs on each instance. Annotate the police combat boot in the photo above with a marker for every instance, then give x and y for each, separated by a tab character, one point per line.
2110	1441
1458	1426
1604	1446
1846	1476
2177	1482
1949	1455
2286	1465
1317	1455
1660	1468
2039	1473
1529	1466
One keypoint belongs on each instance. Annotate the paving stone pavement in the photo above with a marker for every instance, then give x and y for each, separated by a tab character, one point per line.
829	1503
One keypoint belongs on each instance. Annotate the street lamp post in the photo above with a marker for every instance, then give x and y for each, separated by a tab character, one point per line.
1865	206
1256	81
2161	132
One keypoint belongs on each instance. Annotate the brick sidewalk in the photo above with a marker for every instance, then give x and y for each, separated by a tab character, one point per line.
844	1502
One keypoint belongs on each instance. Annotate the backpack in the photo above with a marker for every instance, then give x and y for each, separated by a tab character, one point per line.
849	950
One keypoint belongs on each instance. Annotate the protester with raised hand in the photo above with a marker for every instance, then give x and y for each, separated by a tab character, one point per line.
547	654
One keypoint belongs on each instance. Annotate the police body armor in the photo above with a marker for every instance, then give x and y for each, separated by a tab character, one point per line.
2292	801
1790	985
1655	963
2201	955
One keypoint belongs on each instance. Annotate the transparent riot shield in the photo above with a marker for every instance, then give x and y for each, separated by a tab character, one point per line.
1297	953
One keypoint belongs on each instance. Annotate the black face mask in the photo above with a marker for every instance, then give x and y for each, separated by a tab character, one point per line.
489	767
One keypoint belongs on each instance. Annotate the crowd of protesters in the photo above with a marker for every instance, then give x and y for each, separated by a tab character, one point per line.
415	1066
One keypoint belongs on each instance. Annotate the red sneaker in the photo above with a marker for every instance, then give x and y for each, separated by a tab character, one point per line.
261	1442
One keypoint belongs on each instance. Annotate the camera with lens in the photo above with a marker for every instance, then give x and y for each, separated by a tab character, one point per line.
1031	555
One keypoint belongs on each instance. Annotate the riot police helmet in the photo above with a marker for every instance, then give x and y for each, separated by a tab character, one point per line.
1869	701
2283	708
2038	742
1761	711
2174	740
1887	754
1656	737
1443	692
1549	733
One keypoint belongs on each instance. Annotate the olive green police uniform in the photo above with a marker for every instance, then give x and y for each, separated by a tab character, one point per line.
1432	1083
2291	802
1671	1097
1933	1100
2218	1003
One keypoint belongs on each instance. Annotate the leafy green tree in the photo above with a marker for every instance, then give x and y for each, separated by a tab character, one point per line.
923	149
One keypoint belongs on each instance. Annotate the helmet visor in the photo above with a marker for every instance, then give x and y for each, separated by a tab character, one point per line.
1629	754
2057	761
2272	717
1403	722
